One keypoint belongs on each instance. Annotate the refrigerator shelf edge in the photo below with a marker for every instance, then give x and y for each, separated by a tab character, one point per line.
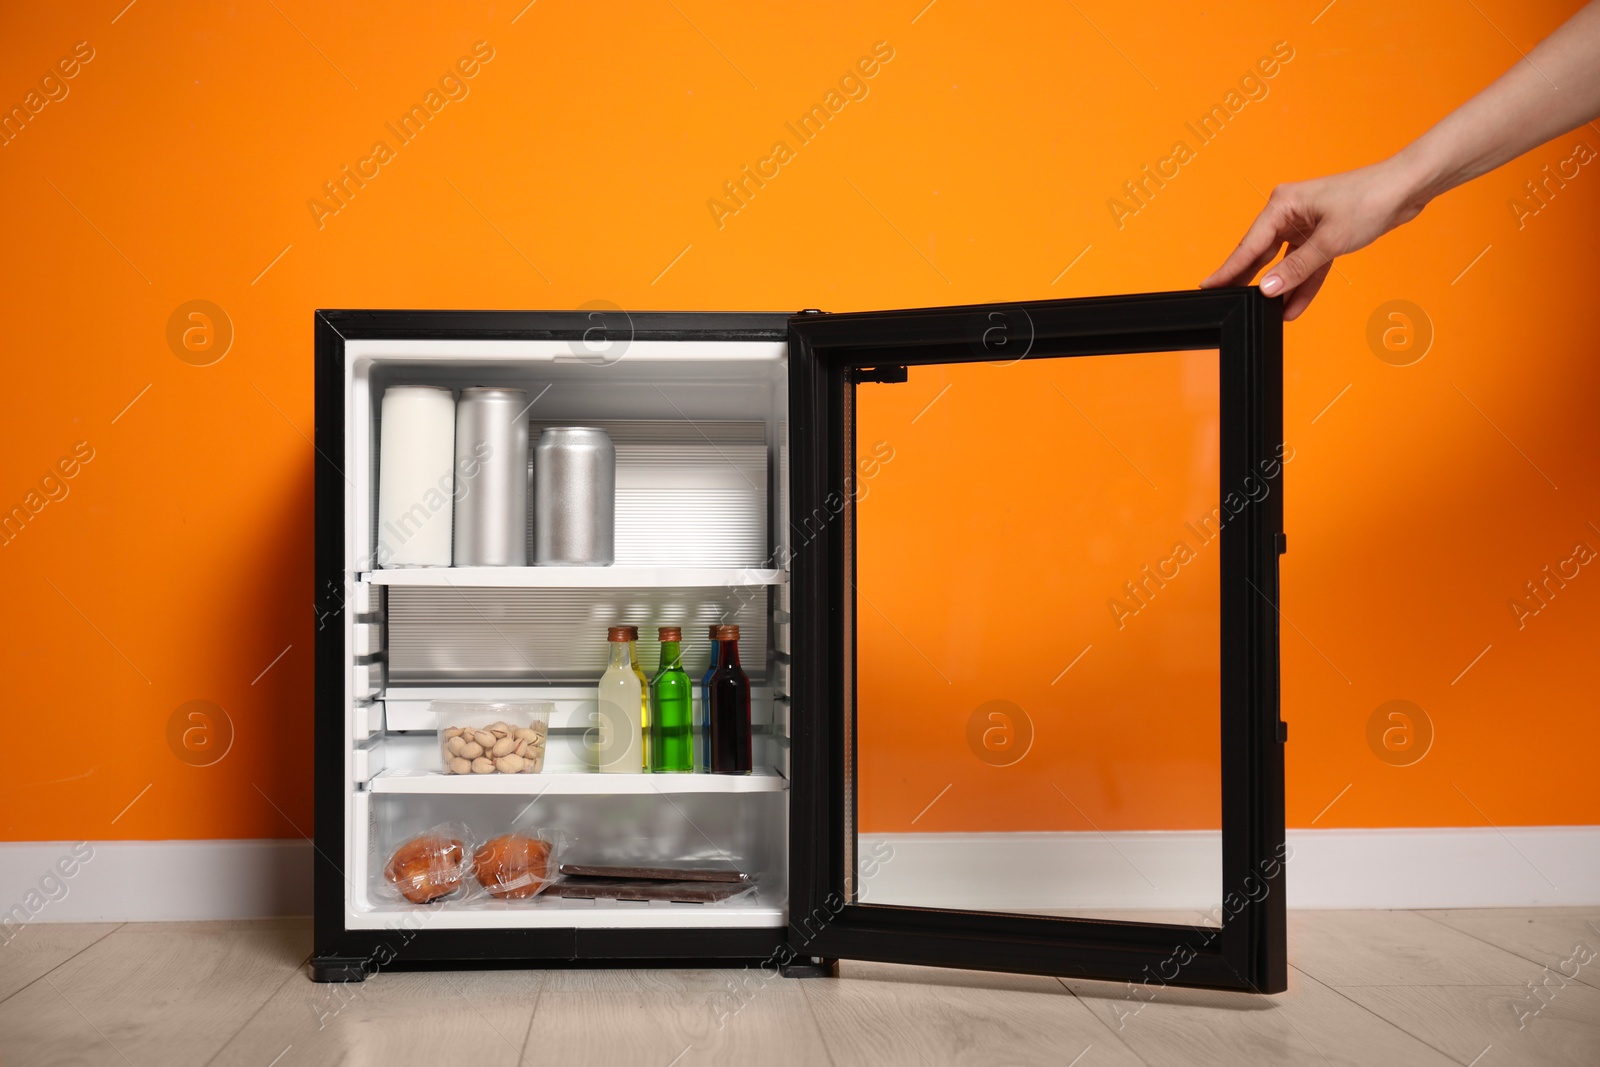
557	913
578	577
401	780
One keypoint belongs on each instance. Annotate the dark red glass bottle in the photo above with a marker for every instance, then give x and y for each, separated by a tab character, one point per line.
729	716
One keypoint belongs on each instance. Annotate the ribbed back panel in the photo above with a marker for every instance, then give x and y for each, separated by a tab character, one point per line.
558	636
688	493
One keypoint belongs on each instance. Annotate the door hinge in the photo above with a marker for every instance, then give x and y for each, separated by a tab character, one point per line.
1283	543
812	311
888	375
1283	732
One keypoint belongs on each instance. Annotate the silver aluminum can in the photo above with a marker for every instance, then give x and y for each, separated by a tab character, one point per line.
491	527
574	498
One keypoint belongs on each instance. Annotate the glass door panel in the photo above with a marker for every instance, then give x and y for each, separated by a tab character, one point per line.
1037	638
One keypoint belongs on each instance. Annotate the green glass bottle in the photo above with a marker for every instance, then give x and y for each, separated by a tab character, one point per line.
671	709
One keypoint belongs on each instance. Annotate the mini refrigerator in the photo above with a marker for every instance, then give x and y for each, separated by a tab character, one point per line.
1006	578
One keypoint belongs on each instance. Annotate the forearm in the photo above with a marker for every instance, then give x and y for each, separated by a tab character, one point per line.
1555	89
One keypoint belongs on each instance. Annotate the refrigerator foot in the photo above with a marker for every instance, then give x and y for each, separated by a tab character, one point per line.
811	967
338	969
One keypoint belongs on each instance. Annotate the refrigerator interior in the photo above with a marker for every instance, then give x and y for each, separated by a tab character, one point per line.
700	435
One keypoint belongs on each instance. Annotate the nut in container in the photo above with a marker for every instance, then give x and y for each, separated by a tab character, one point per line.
477	737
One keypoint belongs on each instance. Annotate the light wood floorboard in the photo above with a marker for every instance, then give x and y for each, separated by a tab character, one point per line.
1558	938
1309	1024
1503	1024
39	948
879	1014
669	1016
1366	988
428	1018
1350	948
151	993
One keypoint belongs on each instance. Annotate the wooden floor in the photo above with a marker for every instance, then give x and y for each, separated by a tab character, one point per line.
1430	987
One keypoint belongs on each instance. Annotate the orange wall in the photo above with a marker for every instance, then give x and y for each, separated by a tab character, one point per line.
180	164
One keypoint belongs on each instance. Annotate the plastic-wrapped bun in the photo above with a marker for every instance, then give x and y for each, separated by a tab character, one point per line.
514	866
428	866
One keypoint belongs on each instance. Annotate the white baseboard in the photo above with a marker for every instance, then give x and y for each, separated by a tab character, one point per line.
152	881
1517	866
1446	867
1525	866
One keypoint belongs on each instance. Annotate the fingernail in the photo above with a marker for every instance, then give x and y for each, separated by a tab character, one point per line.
1271	284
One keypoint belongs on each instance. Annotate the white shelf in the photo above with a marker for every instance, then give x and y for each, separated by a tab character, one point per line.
578	577
401	780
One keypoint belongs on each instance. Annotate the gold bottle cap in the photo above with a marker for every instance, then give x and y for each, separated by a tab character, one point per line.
670	633
618	633
725	633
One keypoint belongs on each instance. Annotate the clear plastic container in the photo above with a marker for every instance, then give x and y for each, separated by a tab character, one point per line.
492	737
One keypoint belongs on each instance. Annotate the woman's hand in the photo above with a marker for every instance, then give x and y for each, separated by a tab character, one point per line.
1555	88
1319	219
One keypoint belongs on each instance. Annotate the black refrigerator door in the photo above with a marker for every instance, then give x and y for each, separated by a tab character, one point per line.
1034	581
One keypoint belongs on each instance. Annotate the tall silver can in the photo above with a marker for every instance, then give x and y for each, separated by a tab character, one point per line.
491	527
574	498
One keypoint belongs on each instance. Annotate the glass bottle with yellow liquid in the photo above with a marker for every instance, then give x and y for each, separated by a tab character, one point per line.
644	700
619	739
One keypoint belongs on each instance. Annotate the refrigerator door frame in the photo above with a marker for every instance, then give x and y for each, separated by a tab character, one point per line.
827	355
341	954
